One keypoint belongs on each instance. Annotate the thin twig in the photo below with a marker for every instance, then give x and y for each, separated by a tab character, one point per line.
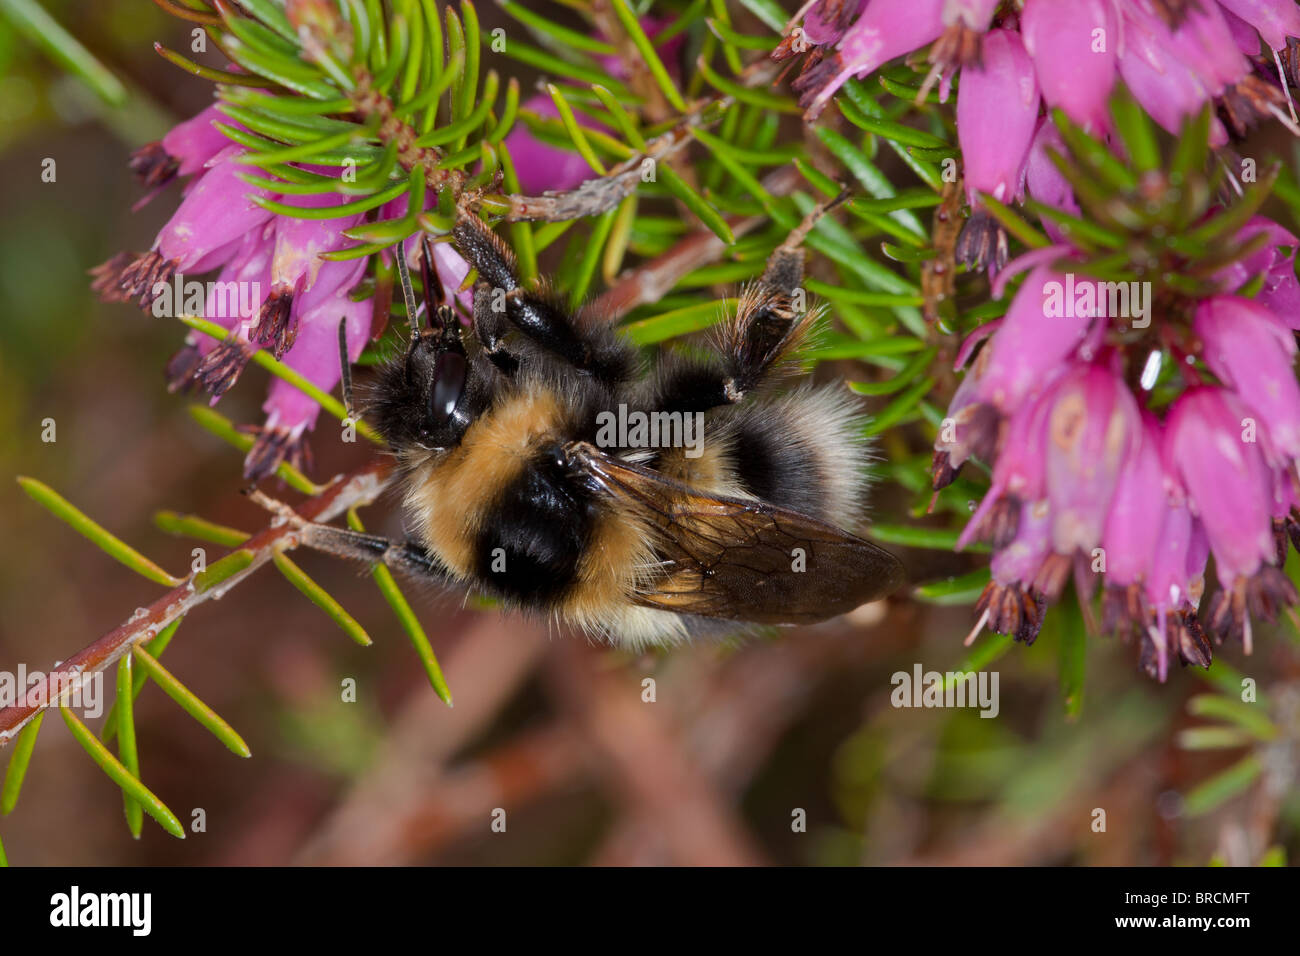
359	488
654	280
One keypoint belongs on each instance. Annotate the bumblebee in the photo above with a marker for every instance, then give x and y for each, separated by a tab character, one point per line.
515	485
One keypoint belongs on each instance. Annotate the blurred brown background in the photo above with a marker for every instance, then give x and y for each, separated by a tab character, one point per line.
740	737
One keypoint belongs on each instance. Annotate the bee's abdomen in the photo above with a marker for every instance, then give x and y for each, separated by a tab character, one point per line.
539	528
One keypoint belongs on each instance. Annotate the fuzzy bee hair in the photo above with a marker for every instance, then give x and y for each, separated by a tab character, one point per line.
512	489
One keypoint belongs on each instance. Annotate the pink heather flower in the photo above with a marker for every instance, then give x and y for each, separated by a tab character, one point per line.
297	267
1014	602
1253	353
273	287
1280	291
1274	19
1155	558
1043	179
1200	41
827	20
1092	429
1169	74
315	354
1218	457
886	29
1030	347
216	211
997	112
183	151
1174	583
1136	511
214	215
1074	46
1213	456
1019	475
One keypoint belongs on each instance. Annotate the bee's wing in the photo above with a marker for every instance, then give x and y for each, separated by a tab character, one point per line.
742	560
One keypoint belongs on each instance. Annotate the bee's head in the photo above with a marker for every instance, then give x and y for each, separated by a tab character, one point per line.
432	395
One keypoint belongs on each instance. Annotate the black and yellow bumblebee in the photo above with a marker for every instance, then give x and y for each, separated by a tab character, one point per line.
510	490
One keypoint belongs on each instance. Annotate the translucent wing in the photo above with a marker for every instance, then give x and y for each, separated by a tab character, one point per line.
739	559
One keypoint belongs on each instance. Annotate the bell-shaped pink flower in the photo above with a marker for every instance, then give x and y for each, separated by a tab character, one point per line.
1214	455
1074	46
826	21
1280	291
1174	584
1093	428
886	29
1253	353
1274	19
1136	511
315	354
1169	90
997	113
1034	341
1044	180
217	211
297	263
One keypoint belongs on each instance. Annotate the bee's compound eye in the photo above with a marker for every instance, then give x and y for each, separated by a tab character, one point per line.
448	383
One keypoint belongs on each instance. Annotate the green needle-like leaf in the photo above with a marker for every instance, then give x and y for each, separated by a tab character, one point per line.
1223	786
1072	658
637	35
911	536
123	777
191	704
126	748
963	589
574	130
898	409
696	203
1252	718
321	598
223	570
769	11
406	616
30	19
154	647
19	761
64	510
1012	223
592	253
192	526
691	318
219	425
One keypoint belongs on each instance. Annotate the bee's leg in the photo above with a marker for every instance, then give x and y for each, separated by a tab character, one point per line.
490	328
771	319
506	304
406	556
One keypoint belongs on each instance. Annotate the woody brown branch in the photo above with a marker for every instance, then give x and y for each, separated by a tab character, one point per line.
359	488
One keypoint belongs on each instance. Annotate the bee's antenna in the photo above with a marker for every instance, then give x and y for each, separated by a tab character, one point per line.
346	368
434	294
408	293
